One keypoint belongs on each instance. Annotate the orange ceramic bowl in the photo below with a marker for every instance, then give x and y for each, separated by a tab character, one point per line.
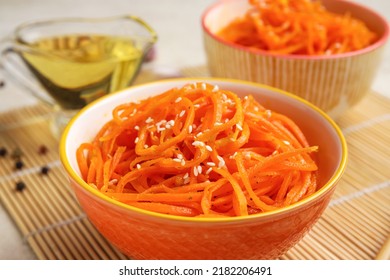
334	83
141	234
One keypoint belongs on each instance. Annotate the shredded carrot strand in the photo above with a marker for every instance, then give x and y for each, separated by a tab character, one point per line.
297	27
200	151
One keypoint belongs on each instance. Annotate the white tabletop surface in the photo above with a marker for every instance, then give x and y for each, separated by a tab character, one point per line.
177	23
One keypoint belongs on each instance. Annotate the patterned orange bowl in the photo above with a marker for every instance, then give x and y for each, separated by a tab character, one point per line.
332	81
143	234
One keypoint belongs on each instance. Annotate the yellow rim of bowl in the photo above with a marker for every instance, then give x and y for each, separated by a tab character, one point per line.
325	188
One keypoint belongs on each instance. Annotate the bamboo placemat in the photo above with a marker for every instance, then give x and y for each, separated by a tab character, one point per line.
355	225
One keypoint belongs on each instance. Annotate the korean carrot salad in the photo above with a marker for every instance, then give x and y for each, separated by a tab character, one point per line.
200	151
303	27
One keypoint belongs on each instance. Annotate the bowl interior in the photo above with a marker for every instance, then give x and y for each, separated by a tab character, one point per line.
319	128
219	15
223	13
372	19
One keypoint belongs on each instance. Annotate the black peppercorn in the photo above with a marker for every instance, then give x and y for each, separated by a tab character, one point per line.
45	170
3	152
19	164
42	150
20	186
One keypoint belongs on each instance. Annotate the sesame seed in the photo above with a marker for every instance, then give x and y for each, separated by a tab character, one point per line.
224	96
199	134
170	124
182	113
239	127
229	101
209	170
149	120
210	163
203	86
138	166
134	112
196	105
146	146
256	109
247	156
186	176
190	129
176	160
199	169
233	155
136	127
218	123
208	148
286	142
161	122
215	88
183	162
221	161
179	156
113	181
198	143
196	171
178	99
186	181
268	113
136	140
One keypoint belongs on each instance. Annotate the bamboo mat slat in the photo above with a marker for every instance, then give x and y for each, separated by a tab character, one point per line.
356	224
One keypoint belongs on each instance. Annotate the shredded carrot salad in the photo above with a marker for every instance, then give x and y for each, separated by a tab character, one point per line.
302	27
200	151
